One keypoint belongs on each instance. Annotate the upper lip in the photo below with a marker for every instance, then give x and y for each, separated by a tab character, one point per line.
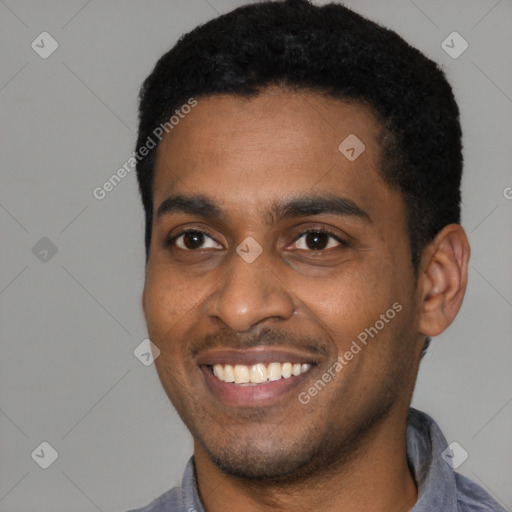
254	355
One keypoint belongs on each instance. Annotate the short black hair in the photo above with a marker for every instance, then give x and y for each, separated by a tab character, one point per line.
334	51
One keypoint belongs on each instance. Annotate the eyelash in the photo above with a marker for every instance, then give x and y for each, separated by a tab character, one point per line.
170	242
342	242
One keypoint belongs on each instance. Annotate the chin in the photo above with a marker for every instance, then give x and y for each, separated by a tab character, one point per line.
277	461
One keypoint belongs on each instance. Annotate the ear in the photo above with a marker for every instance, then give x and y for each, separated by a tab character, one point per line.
143	301
443	278
145	291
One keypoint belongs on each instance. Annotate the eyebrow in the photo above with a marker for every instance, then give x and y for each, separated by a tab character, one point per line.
198	205
304	206
301	206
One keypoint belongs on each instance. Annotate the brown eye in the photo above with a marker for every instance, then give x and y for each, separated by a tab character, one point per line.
318	240
192	240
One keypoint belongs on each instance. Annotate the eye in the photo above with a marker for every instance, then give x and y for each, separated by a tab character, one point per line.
318	240
192	240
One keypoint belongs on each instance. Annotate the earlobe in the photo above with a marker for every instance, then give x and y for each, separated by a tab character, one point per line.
444	270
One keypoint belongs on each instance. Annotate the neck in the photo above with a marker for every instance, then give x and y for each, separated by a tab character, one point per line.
375	478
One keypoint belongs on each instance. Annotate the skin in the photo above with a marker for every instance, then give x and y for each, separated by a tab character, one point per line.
345	448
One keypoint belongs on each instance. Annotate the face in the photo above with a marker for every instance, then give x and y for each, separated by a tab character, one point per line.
271	247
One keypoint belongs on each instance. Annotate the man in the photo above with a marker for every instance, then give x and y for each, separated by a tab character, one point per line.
300	172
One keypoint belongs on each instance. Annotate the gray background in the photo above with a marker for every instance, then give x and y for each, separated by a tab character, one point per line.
70	324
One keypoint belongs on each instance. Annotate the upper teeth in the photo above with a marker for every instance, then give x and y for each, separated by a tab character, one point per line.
257	373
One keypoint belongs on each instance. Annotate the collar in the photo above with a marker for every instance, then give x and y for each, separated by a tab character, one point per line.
437	487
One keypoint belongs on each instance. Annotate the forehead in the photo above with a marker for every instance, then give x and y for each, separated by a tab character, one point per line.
243	151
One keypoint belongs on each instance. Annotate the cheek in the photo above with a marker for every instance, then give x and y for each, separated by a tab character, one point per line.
168	301
167	296
352	299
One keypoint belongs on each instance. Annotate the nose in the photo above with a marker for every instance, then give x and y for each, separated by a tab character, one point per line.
249	294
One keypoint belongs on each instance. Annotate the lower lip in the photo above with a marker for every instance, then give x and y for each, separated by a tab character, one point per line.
255	395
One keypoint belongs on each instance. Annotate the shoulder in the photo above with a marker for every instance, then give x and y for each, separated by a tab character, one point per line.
472	498
169	501
440	487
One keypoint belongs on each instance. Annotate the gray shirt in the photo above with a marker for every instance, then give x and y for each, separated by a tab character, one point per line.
440	488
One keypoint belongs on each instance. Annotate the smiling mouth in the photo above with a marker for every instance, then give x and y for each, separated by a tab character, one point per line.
257	374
